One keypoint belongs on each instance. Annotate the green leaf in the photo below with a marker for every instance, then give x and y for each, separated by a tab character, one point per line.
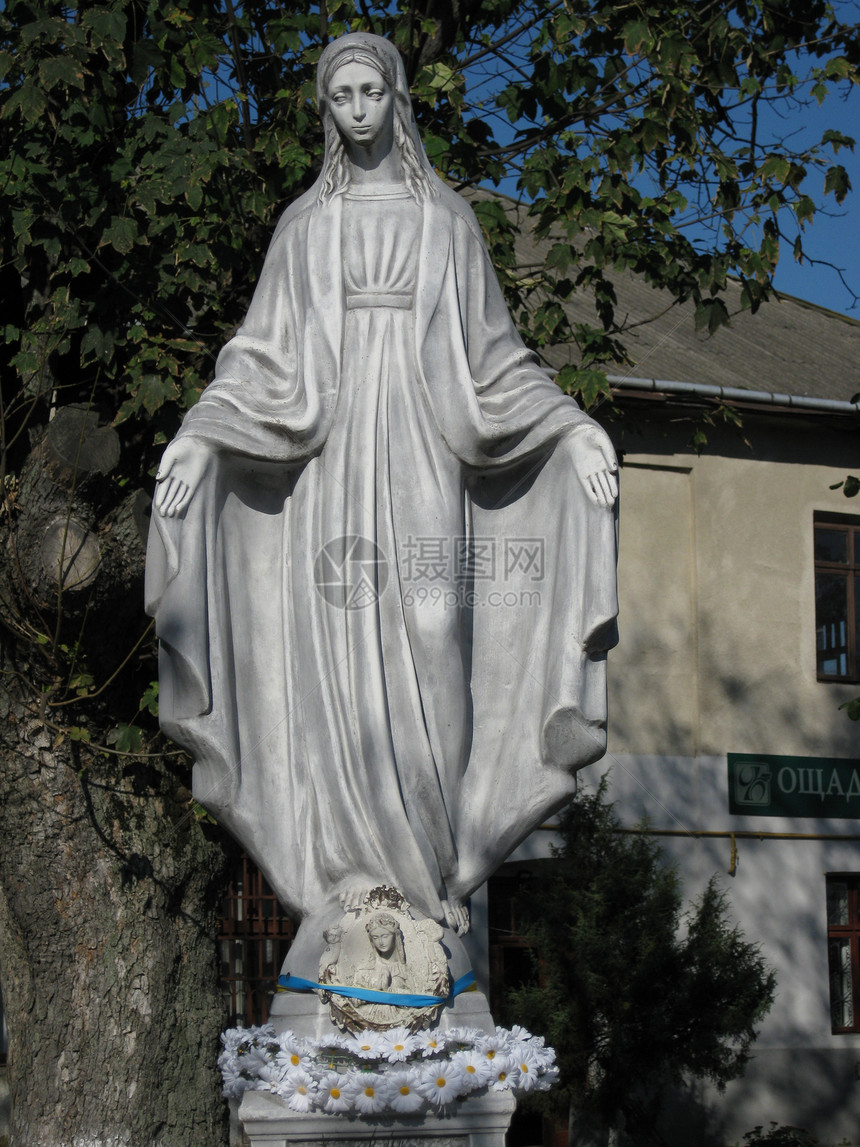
637	37
837	183
61	70
126	738
121	234
775	167
30	99
82	683
711	314
837	140
149	700
852	709
587	385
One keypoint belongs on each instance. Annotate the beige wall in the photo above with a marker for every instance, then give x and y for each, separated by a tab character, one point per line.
716	591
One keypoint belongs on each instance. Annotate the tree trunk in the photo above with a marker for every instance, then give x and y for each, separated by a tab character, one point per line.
109	884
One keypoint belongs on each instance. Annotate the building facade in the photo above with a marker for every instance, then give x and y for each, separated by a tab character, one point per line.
738	572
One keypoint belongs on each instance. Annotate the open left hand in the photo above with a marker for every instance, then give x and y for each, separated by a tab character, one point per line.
183	465
596	465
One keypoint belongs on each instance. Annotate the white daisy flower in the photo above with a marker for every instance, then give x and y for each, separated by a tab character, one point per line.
233	1037
366	1045
298	1088
290	1043
502	1074
465	1036
332	1042
475	1068
366	1091
332	1093
516	1032
548	1079
443	1084
491	1047
294	1056
431	1043
397	1044
271	1074
505	1039
234	1082
544	1055
255	1058
404	1096
528	1070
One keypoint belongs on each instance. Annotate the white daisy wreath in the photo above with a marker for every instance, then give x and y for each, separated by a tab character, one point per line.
383	1073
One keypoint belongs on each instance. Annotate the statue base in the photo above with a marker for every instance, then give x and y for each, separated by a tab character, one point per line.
477	1121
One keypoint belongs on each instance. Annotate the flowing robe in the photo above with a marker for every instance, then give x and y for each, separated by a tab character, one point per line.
416	740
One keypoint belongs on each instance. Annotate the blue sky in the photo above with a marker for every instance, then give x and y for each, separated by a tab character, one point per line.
835	236
832	242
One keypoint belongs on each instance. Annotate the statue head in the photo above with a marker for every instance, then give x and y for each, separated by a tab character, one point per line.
382	57
385	935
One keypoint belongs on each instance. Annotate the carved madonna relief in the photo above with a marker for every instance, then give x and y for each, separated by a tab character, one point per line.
382	947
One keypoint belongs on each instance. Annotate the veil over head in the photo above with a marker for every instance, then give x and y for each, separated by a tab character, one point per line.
364	48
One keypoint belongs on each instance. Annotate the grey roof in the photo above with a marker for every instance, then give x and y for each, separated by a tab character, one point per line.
789	347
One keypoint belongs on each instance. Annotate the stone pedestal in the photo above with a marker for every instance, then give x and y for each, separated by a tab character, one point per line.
478	1121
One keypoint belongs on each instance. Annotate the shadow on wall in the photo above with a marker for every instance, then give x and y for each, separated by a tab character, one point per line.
701	1118
664	700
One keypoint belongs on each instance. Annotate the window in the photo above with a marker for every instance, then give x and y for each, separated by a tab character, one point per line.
837	589
511	963
253	939
843	938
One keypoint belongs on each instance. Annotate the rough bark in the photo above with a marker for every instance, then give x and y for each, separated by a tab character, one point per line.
109	884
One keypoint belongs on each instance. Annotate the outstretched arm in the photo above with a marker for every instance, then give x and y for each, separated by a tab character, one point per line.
183	465
596	465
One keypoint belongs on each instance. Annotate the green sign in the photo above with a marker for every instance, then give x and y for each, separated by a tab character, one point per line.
827	787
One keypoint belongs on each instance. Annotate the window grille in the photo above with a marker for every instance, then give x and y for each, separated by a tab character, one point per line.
843	951
837	588
253	940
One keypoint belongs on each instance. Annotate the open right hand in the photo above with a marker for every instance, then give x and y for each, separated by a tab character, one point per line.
183	465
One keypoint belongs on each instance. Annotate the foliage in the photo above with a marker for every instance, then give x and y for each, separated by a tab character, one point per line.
779	1135
146	150
633	993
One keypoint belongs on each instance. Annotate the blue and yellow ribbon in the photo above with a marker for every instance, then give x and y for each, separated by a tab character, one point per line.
291	983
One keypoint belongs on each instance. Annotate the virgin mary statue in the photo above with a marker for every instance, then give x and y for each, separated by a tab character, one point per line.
382	562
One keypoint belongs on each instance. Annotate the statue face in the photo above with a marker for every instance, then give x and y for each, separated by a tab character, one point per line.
362	106
382	938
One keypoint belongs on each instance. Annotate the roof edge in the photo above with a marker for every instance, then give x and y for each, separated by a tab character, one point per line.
735	394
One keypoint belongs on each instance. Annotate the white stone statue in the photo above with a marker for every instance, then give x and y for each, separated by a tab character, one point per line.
382	562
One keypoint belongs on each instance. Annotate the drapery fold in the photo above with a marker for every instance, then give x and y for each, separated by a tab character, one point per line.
404	743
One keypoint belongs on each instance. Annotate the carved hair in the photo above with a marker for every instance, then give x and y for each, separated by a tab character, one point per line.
336	172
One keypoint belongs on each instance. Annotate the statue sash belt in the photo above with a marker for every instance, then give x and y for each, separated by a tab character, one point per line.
379	299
